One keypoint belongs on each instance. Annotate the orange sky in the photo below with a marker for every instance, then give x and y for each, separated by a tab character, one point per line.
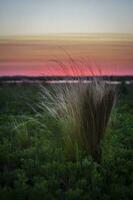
50	55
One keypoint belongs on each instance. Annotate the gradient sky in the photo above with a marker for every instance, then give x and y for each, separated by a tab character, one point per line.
51	16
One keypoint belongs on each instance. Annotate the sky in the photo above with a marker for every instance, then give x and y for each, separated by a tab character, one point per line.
37	17
29	55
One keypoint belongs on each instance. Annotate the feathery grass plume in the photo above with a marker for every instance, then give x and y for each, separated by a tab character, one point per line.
82	109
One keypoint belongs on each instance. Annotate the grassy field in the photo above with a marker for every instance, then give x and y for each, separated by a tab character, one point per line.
32	161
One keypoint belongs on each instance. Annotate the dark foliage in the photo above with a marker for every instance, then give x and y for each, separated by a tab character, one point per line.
32	162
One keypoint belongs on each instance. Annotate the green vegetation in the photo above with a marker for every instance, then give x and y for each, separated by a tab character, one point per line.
32	158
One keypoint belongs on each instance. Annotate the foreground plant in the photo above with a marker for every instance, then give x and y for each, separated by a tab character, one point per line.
83	111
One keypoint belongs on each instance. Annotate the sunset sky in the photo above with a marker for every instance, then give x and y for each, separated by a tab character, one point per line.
33	33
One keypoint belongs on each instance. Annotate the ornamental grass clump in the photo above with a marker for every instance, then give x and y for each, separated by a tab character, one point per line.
82	110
